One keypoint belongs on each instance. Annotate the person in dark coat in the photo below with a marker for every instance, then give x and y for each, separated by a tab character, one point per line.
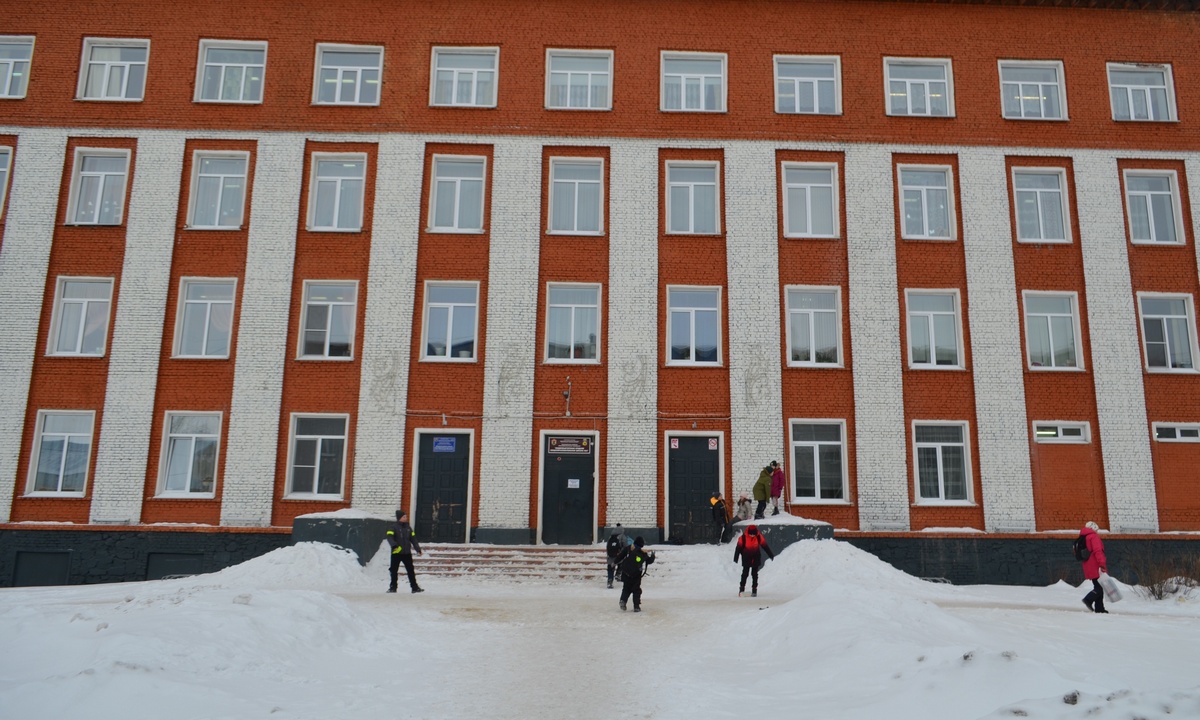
720	516
403	540
634	560
616	543
1095	564
762	492
750	548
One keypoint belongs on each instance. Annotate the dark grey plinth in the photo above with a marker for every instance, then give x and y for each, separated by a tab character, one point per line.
504	536
780	535
362	536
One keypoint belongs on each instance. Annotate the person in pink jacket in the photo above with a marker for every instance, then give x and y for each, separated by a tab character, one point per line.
1093	565
777	481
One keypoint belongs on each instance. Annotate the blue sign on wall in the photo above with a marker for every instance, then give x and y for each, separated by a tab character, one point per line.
444	444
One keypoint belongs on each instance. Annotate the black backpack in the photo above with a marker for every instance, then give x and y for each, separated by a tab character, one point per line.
1079	547
615	545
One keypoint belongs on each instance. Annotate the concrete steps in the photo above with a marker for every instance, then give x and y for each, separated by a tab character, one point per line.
553	563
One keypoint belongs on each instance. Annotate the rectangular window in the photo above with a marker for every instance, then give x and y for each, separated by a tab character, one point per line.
1141	92
1168	331
572	323
465	77
218	195
1061	432
98	187
335	195
579	79
1032	90
190	445
692	198
318	461
1041	205
942	462
80	323
5	165
810	200
919	86
814	327
231	71
808	85
1052	331
113	69
1177	432
450	321
16	53
576	196
62	450
928	203
1152	201
819	461
457	204
328	322
348	75
933	329
205	323
694	319
693	82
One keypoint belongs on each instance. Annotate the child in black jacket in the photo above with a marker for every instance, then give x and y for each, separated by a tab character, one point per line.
750	547
633	561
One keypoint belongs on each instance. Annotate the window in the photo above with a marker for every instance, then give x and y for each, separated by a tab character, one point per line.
1153	206
62	449
808	85
1177	432
693	82
457	194
450	324
694	318
318	456
1061	432
231	71
810	200
80	324
16	52
113	69
1032	90
818	461
572	322
205	318
933	329
1041	205
814	327
578	79
942	462
336	193
692	199
190	444
218	194
1052	331
5	164
919	86
329	312
1141	92
928	210
1168	331
348	75
465	77
577	193
98	188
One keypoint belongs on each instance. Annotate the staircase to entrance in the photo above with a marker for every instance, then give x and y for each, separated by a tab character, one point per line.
551	563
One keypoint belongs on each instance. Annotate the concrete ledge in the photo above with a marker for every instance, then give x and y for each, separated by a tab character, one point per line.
362	535
783	530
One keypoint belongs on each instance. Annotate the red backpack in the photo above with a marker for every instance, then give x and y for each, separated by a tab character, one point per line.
751	543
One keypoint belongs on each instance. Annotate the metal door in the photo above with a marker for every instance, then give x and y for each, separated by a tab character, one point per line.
693	475
568	490
443	475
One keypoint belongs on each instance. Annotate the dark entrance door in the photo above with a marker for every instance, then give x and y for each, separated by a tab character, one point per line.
568	489
693	475
443	464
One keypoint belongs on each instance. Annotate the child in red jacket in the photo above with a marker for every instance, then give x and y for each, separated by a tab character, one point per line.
750	547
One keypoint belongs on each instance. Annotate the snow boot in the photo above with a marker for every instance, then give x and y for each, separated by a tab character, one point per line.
776	512
741	593
637	608
1089	604
391	590
622	606
610	586
753	593
417	590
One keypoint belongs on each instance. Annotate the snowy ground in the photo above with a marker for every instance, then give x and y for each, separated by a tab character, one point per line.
835	634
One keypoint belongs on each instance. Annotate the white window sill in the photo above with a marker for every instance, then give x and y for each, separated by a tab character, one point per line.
811	237
680	233
1171	371
936	367
564	361
453	231
48	494
1147	120
74	355
226	228
199	357
186	496
1155	243
116	100
817	366
333	230
685	364
930	238
944	503
462	106
344	104
323	358
94	224
441	359
1036	241
313	496
579	109
688	110
1034	119
1048	368
203	101
928	117
576	233
815	501
1058	441
832	114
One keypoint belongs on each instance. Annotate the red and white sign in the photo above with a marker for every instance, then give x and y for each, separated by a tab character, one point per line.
712	443
674	443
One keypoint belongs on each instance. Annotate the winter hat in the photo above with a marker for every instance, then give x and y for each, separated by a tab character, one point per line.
716	494
400	514
639	542
1094	527
752	530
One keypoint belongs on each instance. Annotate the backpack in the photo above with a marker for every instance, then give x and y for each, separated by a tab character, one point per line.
1079	547
751	543
615	545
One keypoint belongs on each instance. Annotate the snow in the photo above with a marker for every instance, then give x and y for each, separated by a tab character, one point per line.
304	632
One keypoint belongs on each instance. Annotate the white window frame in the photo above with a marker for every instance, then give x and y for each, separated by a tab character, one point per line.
314	188
293	420
77	181
1176	206
1059	84
164	465
598	307
666	55
8	67
835	192
433	227
181	310
1064	204
359	81
35	454
6	156
1065	432
691	187
552	53
958	328
1168	86
1075	324
951	210
968	481
691	311
330	305
425	356
798	499
1190	315
197	157
836	291
90	44
599	163
1192	430
946	63
57	318
493	52
834	60
202	64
